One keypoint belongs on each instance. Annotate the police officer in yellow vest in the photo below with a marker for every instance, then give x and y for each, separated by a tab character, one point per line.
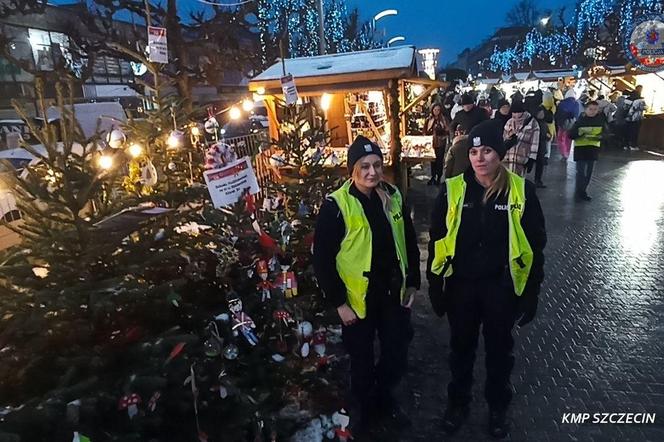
366	261
485	268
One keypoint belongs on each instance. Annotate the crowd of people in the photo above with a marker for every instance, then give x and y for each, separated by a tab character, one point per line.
531	123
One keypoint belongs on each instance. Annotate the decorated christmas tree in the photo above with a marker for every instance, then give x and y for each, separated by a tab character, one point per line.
136	310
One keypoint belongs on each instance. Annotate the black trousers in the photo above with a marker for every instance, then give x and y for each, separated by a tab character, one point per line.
437	164
633	129
491	304
388	320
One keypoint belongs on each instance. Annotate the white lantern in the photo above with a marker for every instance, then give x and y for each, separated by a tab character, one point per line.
116	138
175	139
211	125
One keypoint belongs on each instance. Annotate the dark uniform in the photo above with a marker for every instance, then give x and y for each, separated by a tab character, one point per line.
385	315
481	291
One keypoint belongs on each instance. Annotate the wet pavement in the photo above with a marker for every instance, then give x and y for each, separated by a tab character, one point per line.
597	344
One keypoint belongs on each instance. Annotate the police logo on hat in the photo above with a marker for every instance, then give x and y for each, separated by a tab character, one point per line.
367	148
477	141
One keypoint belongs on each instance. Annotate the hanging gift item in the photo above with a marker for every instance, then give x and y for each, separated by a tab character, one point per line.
242	322
282	317
148	174
214	344
152	403
211	125
264	286
219	155
130	403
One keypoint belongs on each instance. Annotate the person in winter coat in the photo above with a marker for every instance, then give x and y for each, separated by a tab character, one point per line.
522	137
437	127
366	262
456	160
485	268
543	117
635	115
467	118
587	133
566	114
503	114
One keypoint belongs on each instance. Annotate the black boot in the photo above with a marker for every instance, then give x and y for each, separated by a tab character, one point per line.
498	425
454	417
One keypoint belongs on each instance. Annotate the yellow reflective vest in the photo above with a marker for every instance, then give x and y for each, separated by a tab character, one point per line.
354	257
589	136
520	252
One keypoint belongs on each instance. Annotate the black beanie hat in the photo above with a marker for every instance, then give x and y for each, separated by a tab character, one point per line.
487	133
518	107
502	102
361	147
467	99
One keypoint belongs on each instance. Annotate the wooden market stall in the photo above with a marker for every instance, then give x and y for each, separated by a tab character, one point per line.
368	92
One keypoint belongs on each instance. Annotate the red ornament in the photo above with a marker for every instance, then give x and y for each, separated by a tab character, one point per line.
176	351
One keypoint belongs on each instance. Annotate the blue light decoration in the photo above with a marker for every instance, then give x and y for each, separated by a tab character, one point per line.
590	15
299	20
535	45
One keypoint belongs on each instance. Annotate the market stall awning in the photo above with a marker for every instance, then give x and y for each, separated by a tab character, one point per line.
316	74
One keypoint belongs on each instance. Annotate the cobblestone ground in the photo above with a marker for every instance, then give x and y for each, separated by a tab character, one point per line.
597	344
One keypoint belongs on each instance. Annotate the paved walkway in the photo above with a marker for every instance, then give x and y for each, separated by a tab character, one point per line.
598	342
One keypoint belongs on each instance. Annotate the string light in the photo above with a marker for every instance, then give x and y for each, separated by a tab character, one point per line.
135	150
234	113
105	162
247	105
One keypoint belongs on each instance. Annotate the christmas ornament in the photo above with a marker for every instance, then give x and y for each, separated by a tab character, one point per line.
341	420
231	352
304	332
214	345
172	166
116	138
287	282
211	125
175	140
219	155
152	403
264	286
277	161
242	322
318	342
175	352
130	403
148	174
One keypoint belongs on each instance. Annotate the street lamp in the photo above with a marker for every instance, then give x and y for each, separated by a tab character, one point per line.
385	13
395	39
545	21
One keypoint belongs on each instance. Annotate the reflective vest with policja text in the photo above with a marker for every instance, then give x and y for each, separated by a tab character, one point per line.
354	257
520	252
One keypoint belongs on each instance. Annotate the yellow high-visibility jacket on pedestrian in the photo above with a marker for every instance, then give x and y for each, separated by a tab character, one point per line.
354	257
520	252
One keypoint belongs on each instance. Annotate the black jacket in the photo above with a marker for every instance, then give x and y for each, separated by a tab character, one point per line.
483	238
464	121
330	231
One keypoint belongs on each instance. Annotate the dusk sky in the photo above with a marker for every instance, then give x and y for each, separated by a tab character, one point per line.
450	25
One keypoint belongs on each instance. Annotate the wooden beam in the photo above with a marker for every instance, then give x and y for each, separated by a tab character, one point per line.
419	98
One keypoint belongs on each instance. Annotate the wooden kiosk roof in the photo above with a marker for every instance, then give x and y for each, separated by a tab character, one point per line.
361	70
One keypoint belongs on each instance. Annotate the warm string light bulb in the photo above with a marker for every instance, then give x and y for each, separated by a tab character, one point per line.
235	113
105	162
135	150
247	105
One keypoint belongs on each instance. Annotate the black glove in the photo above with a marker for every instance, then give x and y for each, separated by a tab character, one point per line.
511	142
527	306
438	297
530	164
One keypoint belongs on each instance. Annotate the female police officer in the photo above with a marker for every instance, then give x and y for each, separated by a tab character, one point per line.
485	267
367	264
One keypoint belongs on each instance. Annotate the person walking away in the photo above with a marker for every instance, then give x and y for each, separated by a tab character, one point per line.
366	261
587	133
620	121
521	135
635	116
495	97
467	118
437	127
549	104
503	114
566	114
485	268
